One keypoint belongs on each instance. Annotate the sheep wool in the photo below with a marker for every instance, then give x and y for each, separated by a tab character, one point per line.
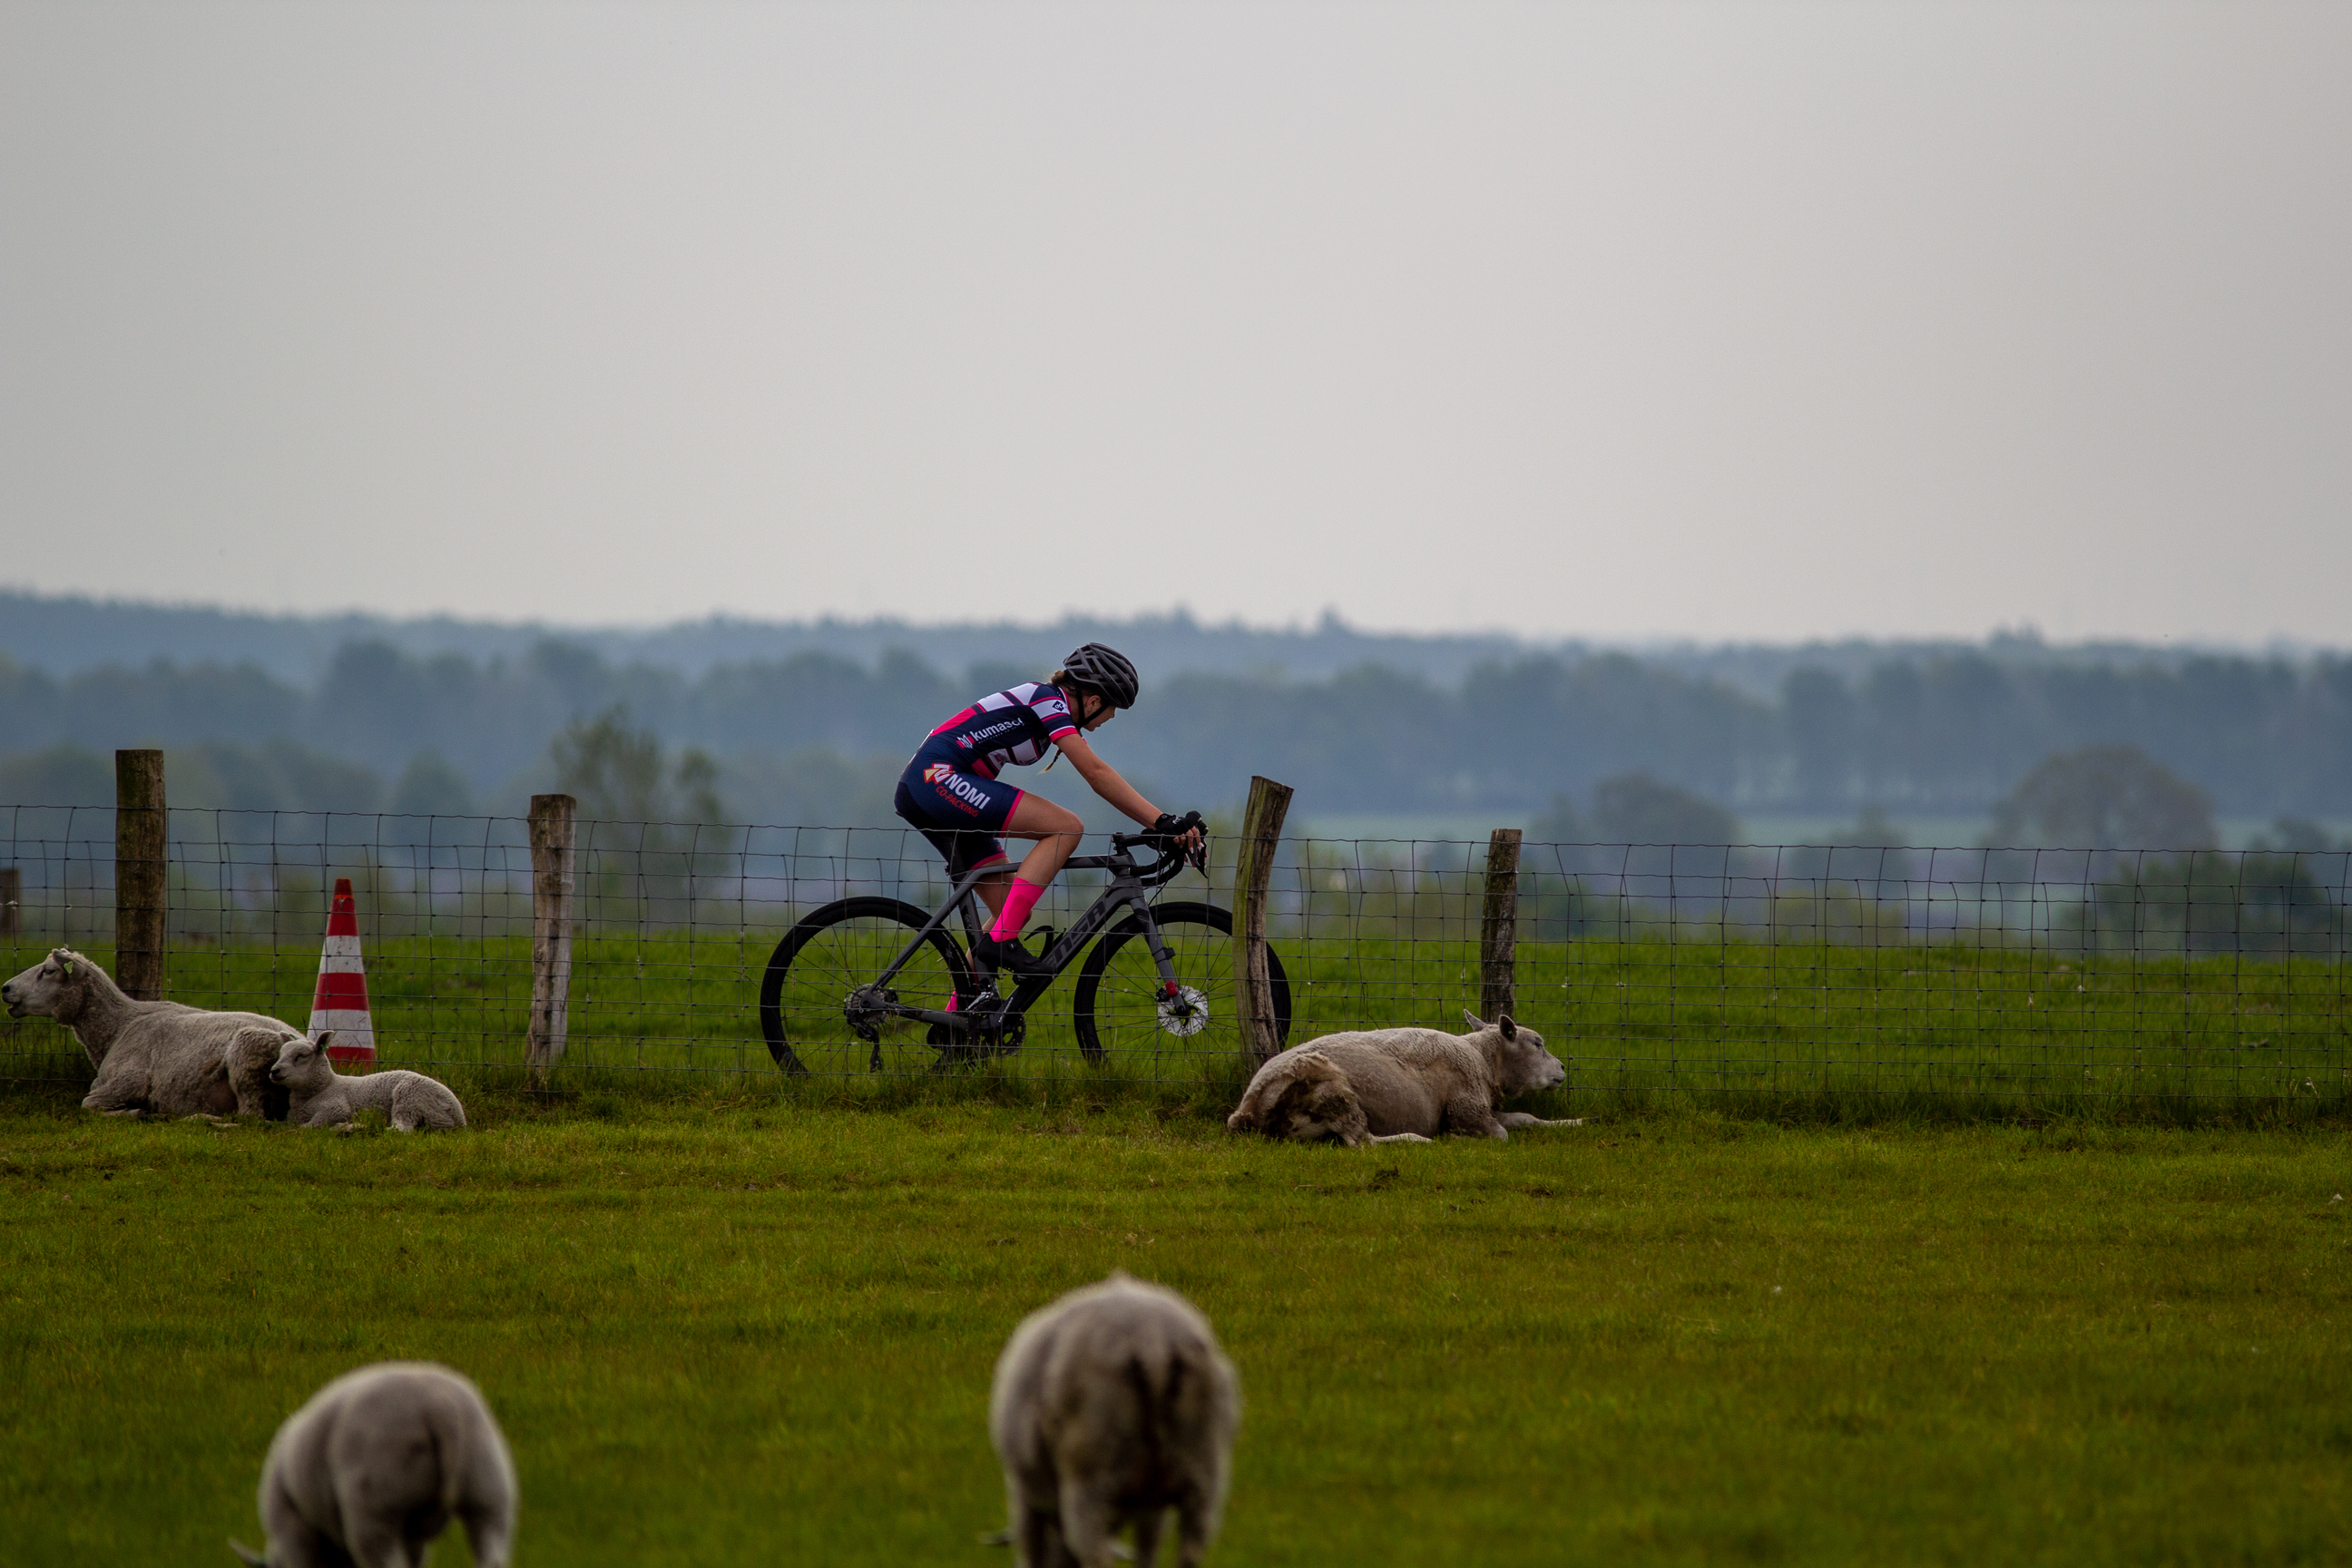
323	1097
375	1465
152	1058
1111	1406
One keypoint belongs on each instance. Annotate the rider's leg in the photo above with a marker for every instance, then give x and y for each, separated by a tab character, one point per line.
1056	830
991	891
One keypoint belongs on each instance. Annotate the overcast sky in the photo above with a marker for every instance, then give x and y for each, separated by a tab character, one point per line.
1717	320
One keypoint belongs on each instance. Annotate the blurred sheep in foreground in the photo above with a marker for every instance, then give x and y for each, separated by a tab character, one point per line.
1110	1407
373	1468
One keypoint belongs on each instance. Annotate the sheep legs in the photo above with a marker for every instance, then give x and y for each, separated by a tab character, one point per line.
1521	1119
1147	1522
117	1099
1195	1523
1474	1114
1087	1524
1039	1544
382	1545
490	1532
294	1542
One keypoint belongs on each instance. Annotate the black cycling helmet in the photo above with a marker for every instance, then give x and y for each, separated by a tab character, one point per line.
1105	671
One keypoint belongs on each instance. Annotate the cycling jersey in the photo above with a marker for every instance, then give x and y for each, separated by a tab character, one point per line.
1011	728
950	790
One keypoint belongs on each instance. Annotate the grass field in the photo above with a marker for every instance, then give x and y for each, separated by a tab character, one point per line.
737	1332
1739	1023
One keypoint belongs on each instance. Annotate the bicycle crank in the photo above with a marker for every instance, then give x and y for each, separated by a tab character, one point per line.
989	1028
1183	1010
1008	1035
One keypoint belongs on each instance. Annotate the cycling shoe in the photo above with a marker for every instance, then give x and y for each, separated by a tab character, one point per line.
1009	955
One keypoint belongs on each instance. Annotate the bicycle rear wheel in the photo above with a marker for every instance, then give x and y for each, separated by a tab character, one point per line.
1120	1014
816	1001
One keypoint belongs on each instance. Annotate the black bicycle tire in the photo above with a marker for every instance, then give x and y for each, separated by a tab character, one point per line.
806	930
1107	946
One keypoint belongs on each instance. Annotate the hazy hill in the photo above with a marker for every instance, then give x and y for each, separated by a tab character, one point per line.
445	715
64	635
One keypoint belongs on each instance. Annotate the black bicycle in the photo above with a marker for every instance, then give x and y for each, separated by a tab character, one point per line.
879	977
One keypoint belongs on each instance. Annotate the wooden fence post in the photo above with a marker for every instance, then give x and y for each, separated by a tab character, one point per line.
1269	802
1498	928
12	903
141	823
553	818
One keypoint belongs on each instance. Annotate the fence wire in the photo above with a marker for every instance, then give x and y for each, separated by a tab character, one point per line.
1701	970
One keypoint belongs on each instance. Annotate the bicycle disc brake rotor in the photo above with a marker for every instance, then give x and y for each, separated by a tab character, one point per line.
1183	1011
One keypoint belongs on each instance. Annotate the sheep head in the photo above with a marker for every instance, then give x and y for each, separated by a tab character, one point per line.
302	1060
49	985
1518	1058
1316	1104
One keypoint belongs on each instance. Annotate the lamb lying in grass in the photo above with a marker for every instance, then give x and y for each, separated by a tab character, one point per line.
324	1098
152	1058
1401	1086
374	1467
1112	1406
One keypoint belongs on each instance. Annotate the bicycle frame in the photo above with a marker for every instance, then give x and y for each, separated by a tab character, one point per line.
1130	888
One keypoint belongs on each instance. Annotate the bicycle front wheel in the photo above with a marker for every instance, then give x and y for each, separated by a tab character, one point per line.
1121	1015
818	1003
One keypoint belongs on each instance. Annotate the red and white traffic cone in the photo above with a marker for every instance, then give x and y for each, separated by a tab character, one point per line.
340	1002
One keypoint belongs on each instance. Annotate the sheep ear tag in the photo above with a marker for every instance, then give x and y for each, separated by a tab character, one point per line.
65	967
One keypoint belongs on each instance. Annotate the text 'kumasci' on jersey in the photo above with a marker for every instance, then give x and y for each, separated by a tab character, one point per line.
1011	728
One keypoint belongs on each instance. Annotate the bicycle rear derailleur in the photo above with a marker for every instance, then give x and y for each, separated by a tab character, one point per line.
867	1007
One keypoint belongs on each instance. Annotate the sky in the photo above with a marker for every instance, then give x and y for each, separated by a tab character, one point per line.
1722	320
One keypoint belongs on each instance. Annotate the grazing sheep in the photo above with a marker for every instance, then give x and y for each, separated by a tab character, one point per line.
323	1097
1401	1086
162	1058
1111	1406
376	1463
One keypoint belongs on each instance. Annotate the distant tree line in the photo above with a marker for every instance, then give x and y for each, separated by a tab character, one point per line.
1943	733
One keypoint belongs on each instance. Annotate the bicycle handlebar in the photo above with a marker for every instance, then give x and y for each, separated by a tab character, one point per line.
1167	866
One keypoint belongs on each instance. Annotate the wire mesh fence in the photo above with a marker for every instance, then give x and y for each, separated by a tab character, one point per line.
2021	975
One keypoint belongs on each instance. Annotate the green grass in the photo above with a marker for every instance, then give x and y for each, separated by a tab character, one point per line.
1741	1023
730	1332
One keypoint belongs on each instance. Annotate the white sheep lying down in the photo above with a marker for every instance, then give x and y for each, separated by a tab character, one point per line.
162	1058
374	1467
1401	1086
1110	1407
324	1098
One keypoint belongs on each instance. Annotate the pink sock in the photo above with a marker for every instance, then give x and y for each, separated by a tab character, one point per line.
1019	900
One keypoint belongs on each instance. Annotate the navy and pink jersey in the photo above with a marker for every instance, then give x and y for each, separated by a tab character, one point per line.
1011	728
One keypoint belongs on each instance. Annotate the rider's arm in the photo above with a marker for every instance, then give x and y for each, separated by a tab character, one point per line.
1104	779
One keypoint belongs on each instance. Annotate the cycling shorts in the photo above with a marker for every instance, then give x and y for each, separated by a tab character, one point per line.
959	813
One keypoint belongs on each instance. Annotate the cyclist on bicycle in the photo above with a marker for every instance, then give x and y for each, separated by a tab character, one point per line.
951	794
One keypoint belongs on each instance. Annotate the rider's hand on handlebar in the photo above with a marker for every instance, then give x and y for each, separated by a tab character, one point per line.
1186	831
